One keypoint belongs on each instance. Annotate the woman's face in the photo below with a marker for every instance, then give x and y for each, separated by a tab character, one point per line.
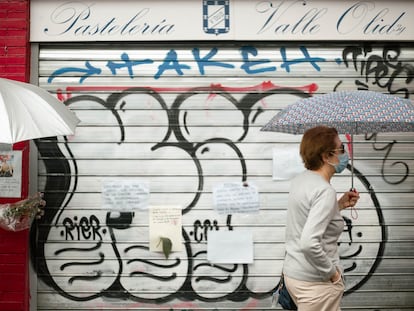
339	149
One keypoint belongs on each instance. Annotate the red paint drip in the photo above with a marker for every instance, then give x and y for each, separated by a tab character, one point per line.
262	87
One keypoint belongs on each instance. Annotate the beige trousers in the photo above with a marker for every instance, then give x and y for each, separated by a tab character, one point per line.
316	296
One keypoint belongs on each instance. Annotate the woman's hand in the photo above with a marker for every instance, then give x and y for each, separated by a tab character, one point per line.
335	278
349	199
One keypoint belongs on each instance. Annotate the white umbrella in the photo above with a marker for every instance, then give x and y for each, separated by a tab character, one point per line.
29	112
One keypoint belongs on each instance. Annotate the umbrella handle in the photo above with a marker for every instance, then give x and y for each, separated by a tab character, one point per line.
354	212
351	151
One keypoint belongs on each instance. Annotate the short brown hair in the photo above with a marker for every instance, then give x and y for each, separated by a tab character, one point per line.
316	142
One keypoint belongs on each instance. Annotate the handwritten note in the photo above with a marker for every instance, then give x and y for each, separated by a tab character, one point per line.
231	198
10	174
230	247
120	194
287	162
165	221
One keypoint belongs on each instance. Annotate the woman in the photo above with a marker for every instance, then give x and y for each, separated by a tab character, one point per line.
312	271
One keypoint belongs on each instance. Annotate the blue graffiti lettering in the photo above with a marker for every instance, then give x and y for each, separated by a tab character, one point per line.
206	60
171	63
88	71
312	60
127	63
247	63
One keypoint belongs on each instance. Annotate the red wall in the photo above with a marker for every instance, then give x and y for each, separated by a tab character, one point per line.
14	246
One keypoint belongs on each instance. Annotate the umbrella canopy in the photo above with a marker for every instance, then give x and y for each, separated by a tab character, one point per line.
350	112
28	112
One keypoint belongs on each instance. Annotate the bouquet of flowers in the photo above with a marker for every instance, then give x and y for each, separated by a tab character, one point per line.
19	216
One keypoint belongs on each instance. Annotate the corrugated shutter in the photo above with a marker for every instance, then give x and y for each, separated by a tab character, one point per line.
153	113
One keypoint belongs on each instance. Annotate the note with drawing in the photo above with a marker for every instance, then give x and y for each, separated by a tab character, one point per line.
165	222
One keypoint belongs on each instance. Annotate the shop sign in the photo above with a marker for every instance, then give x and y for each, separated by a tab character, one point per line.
162	20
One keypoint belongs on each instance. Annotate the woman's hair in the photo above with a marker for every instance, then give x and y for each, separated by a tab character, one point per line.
316	142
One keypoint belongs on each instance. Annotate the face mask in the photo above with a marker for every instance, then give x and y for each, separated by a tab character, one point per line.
343	162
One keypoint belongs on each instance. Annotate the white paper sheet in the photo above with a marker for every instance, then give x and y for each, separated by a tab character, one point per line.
230	247
165	221
233	198
125	194
287	162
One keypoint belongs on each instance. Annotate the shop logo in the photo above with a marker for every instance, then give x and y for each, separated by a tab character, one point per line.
216	17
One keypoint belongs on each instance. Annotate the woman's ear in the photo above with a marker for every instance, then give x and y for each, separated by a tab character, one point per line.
325	157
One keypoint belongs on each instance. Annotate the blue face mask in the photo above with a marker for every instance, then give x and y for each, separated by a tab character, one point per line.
343	162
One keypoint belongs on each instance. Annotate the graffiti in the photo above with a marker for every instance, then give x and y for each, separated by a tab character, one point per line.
104	254
84	230
230	280
204	227
133	259
88	71
388	148
346	254
383	70
176	63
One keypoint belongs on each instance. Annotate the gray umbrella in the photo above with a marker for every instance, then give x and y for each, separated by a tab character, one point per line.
350	112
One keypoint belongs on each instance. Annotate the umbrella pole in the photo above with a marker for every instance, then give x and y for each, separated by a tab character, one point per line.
352	162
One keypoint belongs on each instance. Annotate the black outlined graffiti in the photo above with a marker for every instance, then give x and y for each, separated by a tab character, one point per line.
201	230
80	227
345	254
381	70
386	71
388	149
120	270
231	282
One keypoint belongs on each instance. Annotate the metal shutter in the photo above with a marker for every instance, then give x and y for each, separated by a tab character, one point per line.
185	117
